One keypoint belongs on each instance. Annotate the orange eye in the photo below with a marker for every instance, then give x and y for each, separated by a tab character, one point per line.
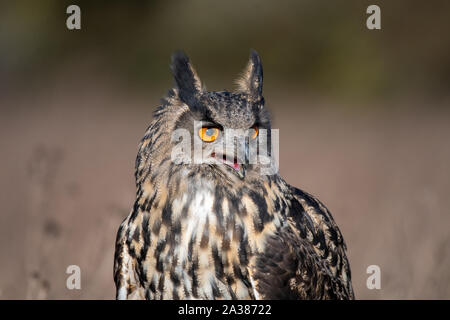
254	132
208	134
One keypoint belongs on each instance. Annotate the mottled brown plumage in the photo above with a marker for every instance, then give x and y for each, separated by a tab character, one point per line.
218	230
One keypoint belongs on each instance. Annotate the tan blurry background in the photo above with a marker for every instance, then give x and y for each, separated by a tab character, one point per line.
364	123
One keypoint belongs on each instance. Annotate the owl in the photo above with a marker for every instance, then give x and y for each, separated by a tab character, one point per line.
220	224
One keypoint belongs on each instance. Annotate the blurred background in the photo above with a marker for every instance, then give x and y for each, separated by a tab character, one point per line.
364	123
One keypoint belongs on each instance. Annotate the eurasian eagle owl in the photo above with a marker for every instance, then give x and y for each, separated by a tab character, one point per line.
222	226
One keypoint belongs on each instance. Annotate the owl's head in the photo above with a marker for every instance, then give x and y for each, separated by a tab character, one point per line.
230	127
219	133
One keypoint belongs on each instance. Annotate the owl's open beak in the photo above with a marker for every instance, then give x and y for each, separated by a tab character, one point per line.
237	166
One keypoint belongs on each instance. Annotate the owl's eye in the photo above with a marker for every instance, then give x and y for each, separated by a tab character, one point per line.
208	134
254	132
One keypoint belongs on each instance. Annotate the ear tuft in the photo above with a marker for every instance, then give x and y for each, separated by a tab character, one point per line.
186	78
251	80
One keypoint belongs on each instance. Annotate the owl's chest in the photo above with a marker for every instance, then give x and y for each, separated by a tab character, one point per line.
207	251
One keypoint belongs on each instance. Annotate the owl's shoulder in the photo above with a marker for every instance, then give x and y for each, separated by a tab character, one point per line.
316	228
306	257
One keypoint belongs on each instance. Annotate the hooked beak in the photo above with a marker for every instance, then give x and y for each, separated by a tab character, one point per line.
233	163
